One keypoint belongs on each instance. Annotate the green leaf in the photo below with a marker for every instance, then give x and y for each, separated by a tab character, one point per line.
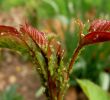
92	91
13	43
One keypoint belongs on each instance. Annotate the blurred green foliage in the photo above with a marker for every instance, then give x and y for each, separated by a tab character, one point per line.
92	91
11	94
8	4
72	8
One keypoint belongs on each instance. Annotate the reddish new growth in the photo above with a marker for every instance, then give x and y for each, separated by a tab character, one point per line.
99	31
8	30
38	37
100	25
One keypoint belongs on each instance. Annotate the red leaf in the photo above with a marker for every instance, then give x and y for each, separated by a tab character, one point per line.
38	37
99	31
100	25
8	30
95	37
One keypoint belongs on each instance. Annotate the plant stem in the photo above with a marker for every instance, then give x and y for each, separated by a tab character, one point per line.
60	96
75	54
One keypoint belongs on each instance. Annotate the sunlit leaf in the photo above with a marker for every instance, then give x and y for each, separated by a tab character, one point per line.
92	91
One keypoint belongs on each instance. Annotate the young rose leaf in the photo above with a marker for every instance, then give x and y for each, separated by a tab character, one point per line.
13	43
4	30
100	26
96	37
37	37
99	31
9	38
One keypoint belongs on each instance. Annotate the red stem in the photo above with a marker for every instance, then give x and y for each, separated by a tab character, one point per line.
75	54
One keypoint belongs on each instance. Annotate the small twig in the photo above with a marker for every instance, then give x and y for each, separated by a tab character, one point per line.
75	54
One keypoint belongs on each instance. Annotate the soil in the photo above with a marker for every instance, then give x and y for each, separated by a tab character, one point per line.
14	71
